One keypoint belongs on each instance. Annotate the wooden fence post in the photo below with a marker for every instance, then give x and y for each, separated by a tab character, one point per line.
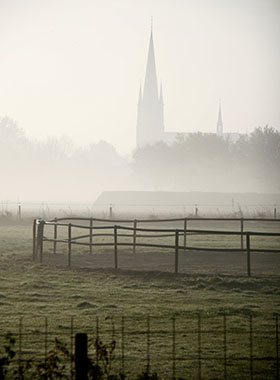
81	357
248	254
116	246
34	239
176	250
38	237
185	232
19	211
134	236
90	236
55	236
69	244
275	213
41	237
242	232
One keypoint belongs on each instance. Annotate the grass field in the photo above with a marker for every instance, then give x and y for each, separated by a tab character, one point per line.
34	291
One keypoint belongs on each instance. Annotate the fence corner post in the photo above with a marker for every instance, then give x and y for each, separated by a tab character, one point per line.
34	239
41	239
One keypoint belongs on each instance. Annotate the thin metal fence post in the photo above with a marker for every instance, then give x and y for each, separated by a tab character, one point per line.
90	235
116	246
71	347
277	346
148	345
173	347
97	338
248	255
55	236
199	345
251	347
122	347
225	346
69	244
34	239
176	250
134	235
46	340
185	232
19	346
242	232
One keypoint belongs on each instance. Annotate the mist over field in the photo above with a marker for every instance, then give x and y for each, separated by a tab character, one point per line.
57	170
118	96
139	189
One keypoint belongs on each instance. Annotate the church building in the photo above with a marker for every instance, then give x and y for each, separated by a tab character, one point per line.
150	116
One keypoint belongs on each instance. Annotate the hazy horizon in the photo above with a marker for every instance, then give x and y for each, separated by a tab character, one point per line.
74	68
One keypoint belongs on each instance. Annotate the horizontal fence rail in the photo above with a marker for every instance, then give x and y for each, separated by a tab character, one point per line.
195	345
115	232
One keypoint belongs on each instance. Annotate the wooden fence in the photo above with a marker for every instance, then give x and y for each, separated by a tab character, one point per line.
117	231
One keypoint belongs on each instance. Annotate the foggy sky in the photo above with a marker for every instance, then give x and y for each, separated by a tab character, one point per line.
74	67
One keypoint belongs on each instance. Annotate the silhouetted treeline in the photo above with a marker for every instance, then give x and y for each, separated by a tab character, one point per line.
57	170
206	162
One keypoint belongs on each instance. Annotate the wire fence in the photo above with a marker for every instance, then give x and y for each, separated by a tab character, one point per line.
129	234
191	346
47	209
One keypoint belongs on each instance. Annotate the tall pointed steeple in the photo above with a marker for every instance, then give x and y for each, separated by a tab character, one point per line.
161	94
220	126
150	92
150	125
140	95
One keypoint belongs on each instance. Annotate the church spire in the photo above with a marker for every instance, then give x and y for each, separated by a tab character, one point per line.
150	122
150	91
140	95
220	125
161	94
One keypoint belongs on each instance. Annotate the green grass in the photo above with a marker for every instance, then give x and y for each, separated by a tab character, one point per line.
34	291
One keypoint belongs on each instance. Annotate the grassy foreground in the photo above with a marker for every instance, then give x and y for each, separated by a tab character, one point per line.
34	291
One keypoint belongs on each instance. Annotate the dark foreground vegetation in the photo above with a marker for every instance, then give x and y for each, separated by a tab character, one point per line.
59	363
202	346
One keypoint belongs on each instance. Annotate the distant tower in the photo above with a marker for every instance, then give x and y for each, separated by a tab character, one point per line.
150	124
220	126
